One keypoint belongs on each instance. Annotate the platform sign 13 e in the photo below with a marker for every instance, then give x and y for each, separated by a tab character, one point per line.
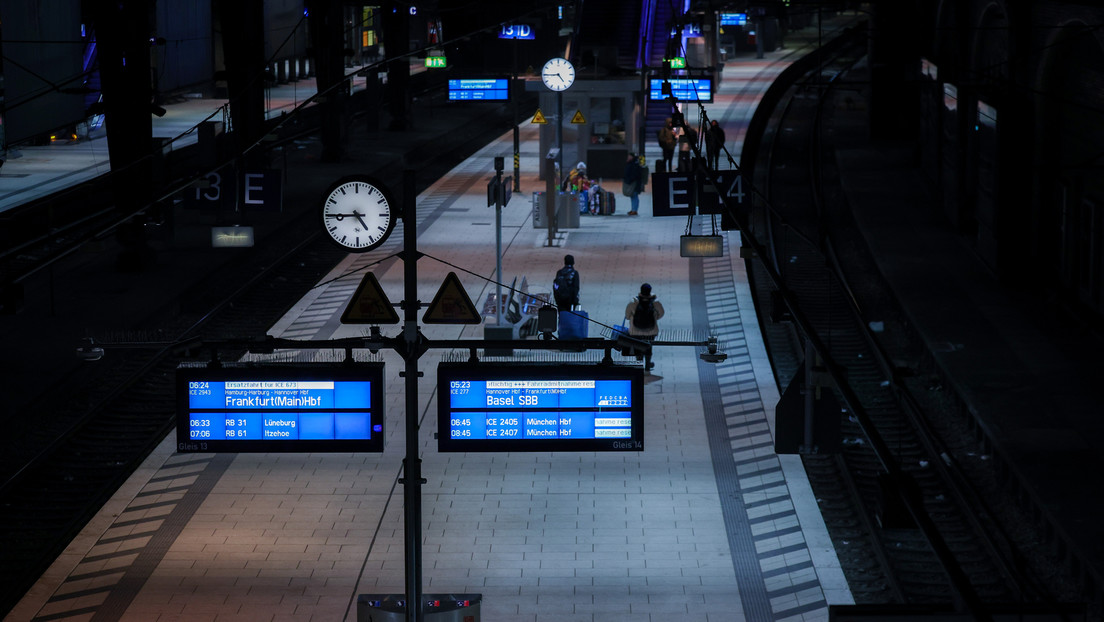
259	190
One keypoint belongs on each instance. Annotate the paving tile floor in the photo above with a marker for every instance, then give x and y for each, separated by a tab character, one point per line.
706	523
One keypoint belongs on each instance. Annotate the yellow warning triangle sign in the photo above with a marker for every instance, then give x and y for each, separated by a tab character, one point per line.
369	305
539	118
578	118
452	305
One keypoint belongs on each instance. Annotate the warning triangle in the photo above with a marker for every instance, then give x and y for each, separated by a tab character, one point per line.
578	118
369	305
452	305
539	118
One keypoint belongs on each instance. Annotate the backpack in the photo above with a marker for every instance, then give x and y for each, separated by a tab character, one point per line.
644	316
565	286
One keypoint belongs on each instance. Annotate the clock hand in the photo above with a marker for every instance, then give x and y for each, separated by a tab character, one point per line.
360	220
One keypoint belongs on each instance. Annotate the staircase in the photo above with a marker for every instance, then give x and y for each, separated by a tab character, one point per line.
656	48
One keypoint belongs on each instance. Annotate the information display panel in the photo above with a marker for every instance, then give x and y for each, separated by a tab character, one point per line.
733	19
490	407
289	408
493	89
683	89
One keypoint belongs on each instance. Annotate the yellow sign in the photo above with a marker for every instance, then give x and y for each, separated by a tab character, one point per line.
369	305
539	118
578	118
452	305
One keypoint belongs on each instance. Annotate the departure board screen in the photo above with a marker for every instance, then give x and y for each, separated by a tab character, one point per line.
494	89
683	89
496	407
295	408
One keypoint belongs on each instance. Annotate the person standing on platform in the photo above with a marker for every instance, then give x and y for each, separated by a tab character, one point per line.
565	287
687	138
632	182
667	142
643	314
714	144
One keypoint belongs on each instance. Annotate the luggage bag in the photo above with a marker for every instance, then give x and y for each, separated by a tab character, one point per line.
573	324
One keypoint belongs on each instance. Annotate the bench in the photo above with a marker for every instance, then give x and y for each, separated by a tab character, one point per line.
520	314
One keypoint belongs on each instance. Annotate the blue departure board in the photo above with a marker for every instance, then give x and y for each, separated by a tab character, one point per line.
683	89
494	89
494	407
733	19
296	408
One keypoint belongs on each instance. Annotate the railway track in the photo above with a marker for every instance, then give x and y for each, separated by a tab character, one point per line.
901	444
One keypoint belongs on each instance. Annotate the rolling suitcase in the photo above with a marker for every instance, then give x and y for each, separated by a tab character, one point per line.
573	325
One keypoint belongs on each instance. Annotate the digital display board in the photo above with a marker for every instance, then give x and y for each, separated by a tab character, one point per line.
492	89
683	89
502	407
289	408
733	19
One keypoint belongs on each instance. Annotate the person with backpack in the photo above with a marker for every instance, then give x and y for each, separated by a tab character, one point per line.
643	314
565	287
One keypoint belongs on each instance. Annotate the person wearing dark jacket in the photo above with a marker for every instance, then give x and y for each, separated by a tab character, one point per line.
632	183
714	144
643	313
565	286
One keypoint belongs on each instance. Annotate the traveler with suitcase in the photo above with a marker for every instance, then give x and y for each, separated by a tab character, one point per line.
643	314
573	324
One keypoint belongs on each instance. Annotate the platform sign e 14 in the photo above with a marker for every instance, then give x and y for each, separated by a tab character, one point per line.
298	408
495	407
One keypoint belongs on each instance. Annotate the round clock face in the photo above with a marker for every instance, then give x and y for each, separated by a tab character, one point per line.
358	214
558	74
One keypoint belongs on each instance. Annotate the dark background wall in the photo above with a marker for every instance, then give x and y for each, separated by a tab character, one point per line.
43	53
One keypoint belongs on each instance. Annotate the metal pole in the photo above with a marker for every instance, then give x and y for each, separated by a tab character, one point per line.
559	132
517	157
551	198
412	465
498	242
810	396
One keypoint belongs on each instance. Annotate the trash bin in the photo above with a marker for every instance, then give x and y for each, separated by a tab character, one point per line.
436	607
567	214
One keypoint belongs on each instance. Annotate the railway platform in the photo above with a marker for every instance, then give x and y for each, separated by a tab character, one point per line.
707	523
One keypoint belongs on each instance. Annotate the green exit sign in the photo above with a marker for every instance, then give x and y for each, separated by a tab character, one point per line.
435	62
678	62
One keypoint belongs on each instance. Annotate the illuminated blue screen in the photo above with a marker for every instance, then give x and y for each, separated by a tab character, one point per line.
280	409
496	89
733	19
577	407
684	89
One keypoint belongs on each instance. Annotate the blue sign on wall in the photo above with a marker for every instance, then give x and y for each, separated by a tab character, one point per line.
517	31
312	408
490	407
